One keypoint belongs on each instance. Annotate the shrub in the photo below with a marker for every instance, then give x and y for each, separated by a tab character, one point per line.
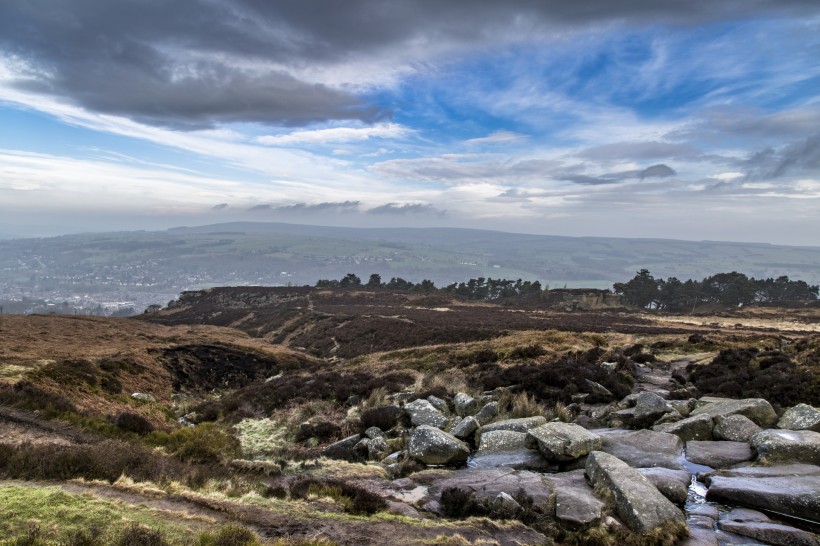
354	499
138	535
131	422
27	395
228	535
324	431
204	443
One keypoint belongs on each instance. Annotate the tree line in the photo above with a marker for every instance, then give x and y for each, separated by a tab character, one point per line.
728	289
474	289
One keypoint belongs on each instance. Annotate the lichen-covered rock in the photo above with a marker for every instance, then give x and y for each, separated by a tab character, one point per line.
439	403
799	446
465	428
505	507
649	407
735	428
800	417
377	449
487	413
576	505
673	484
718	454
643	448
501	440
698	427
422	412
374	432
430	445
756	409
507	448
563	441
465	404
639	503
517	425
792	495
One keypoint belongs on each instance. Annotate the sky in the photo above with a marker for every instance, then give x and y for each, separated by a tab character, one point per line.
626	118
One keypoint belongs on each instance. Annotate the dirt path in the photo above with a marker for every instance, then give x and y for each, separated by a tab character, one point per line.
18	426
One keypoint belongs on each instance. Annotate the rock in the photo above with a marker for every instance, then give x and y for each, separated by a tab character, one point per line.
639	503
622	418
757	409
801	417
143	397
735	428
673	484
439	404
756	525
667	418
598	390
489	482
465	428
465	404
505	507
507	448
518	425
698	427
643	448
575	503
681	406
431	445
797	496
486	413
769	471
341	448
718	454
374	432
377	449
422	412
649	407
563	441
799	446
362	447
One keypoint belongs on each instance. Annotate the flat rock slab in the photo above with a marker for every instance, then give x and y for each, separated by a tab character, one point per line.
797	496
775	470
563	441
639	503
756	525
518	459
643	448
575	503
799	446
719	454
673	484
489	482
756	409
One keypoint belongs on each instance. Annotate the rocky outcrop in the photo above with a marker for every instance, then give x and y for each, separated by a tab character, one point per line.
639	503
792	495
800	417
429	445
718	454
758	526
643	448
799	446
735	428
575	503
698	427
563	441
422	412
757	409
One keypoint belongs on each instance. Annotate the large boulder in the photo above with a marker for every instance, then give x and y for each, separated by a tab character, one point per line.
758	526
792	495
343	448
487	413
422	412
756	409
639	503
698	427
465	428
801	417
517	425
489	482
718	454
507	448
575	503
649	407
430	445
735	428
643	448
799	446
563	441
465	404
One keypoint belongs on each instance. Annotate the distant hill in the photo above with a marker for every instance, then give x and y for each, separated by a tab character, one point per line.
144	267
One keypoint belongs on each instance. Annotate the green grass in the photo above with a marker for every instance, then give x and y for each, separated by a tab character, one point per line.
57	514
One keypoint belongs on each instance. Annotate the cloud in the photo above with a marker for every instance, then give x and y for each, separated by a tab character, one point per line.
655	171
203	63
404	209
221	206
336	134
345	206
456	168
498	137
770	163
641	151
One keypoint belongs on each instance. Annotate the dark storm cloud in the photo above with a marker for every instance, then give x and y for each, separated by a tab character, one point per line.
796	157
396	209
175	63
655	171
